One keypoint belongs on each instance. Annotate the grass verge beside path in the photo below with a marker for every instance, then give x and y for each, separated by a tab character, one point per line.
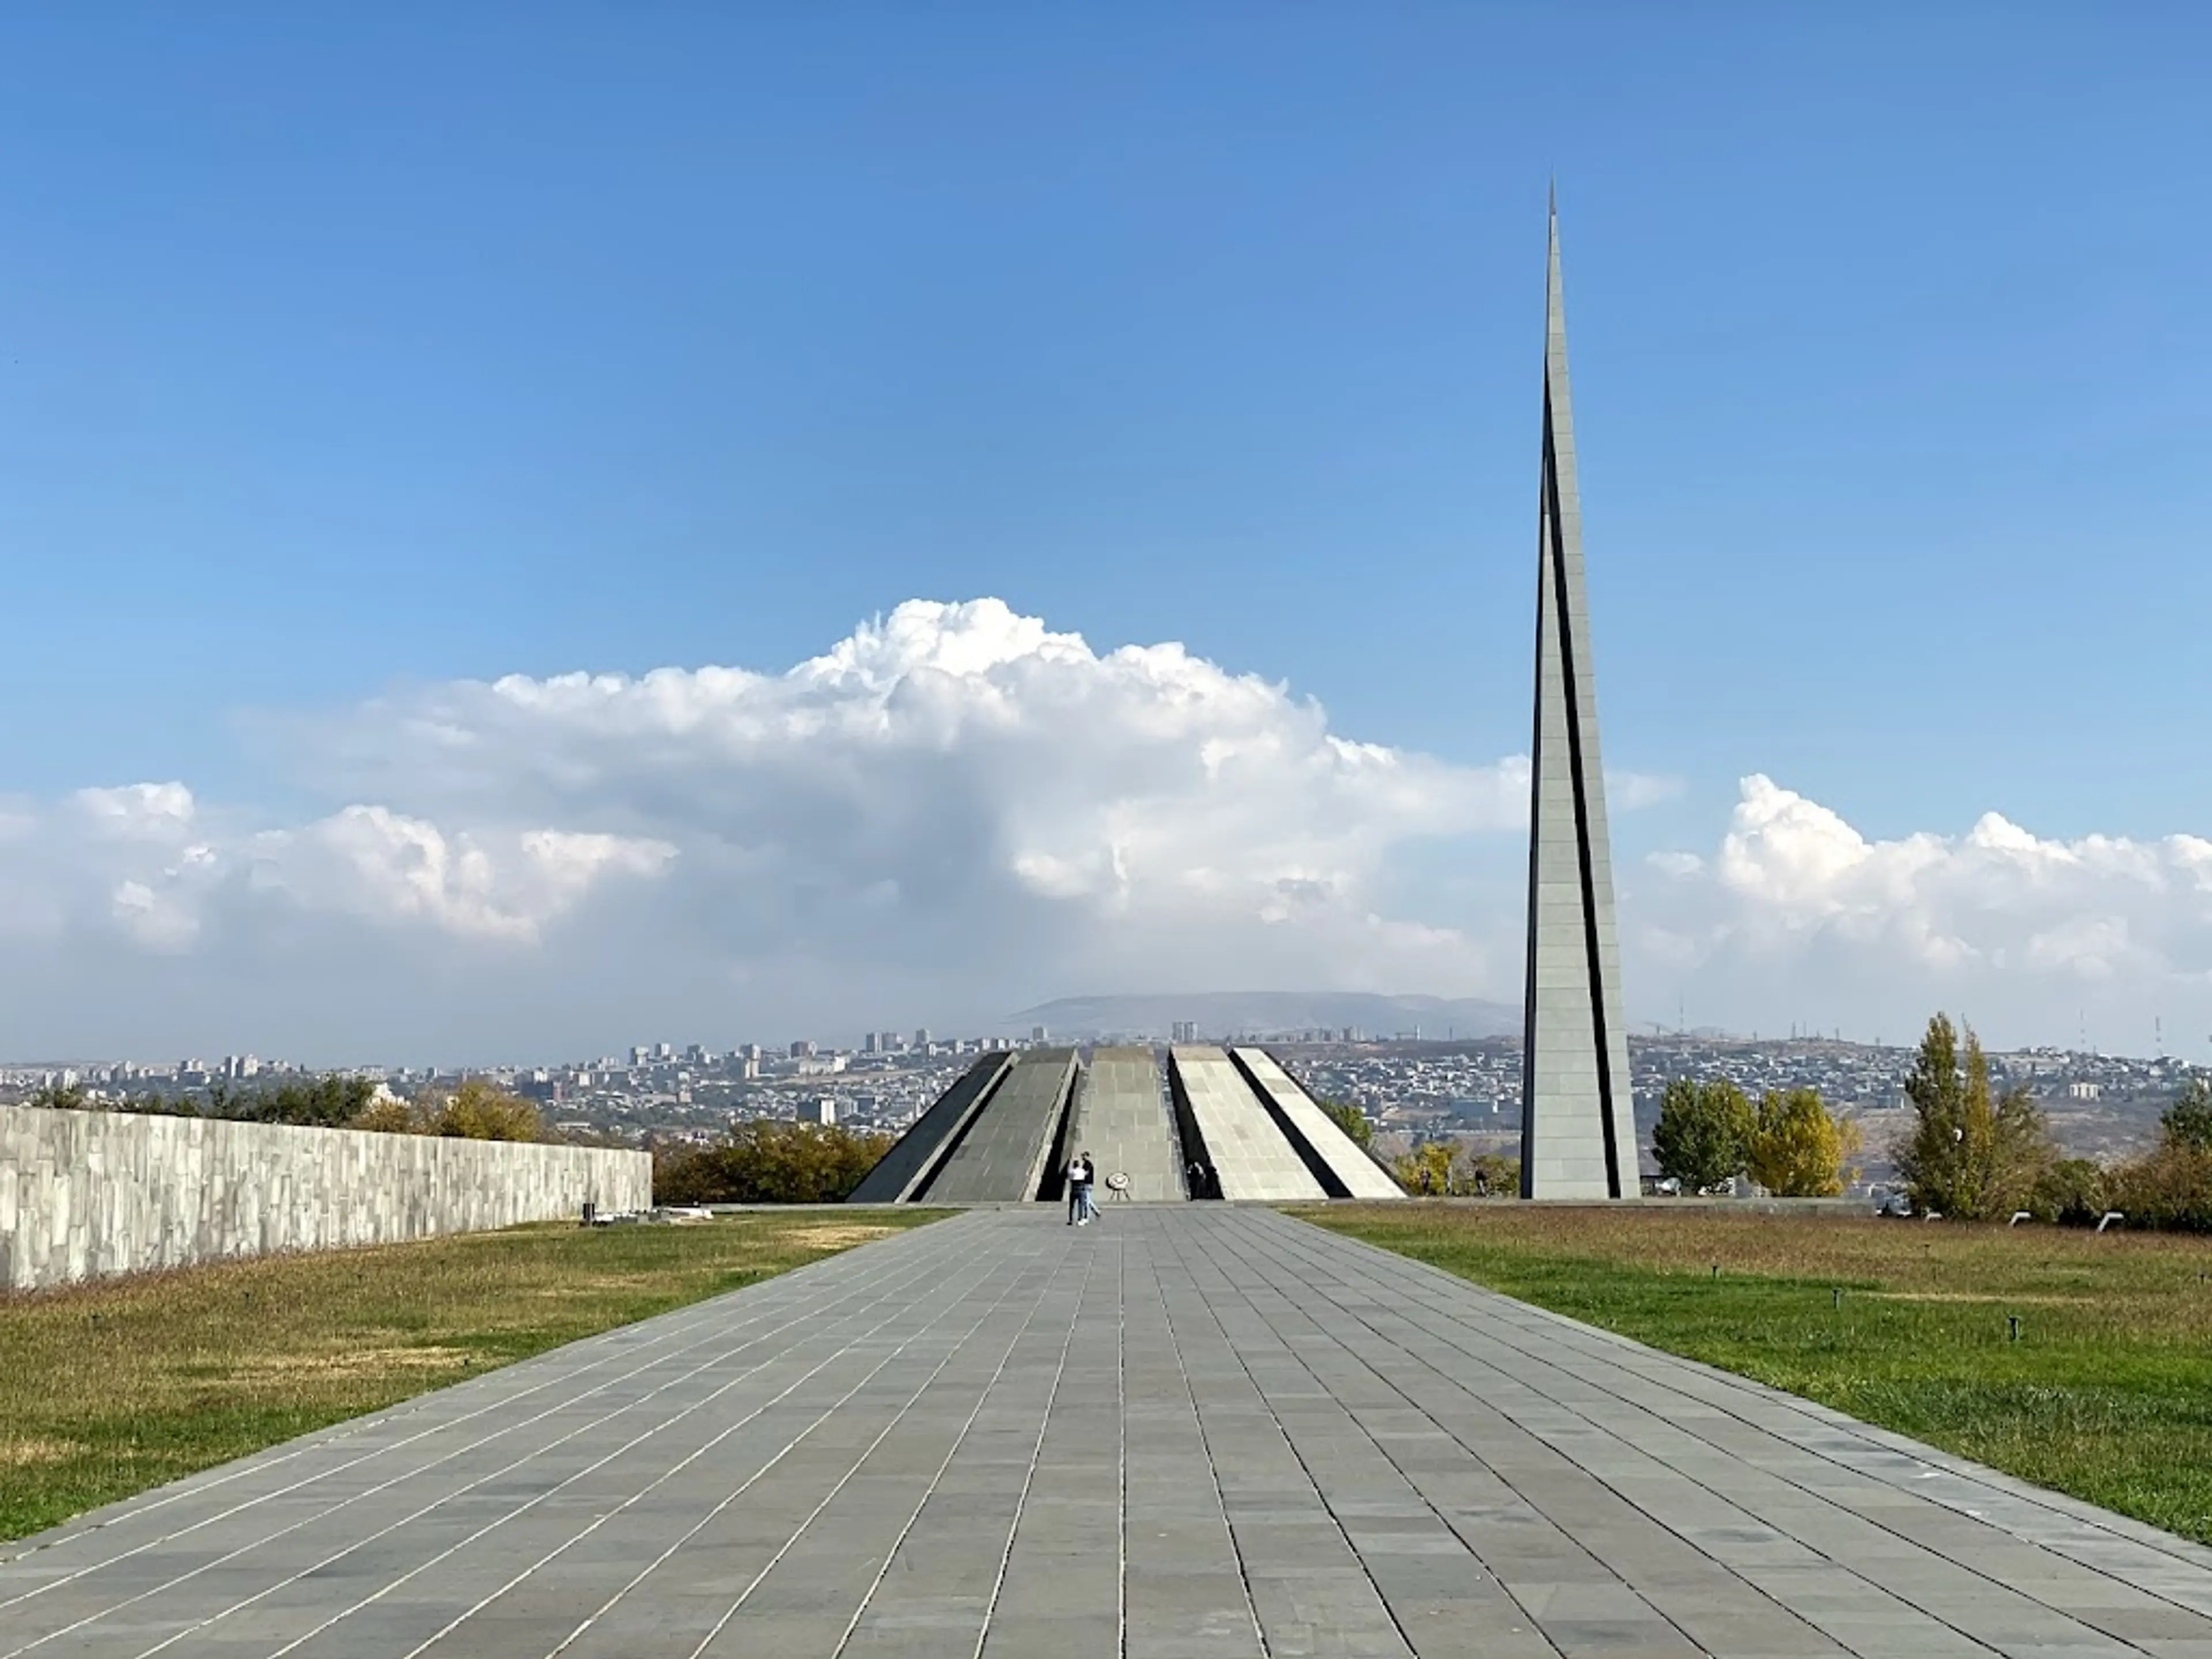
111	1388
2106	1394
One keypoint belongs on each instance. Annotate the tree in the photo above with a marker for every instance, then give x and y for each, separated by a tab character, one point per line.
2072	1190
389	1115
1352	1119
477	1111
2169	1188
1796	1147
1703	1132
1441	1169
2188	1121
328	1101
59	1097
1970	1153
1427	1171
769	1161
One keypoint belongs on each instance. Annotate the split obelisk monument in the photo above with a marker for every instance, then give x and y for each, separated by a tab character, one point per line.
1577	1116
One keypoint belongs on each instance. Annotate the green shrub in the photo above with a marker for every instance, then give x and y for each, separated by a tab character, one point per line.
2169	1189
2072	1191
769	1162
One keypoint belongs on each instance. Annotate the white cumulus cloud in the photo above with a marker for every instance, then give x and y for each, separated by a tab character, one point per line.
1799	916
952	811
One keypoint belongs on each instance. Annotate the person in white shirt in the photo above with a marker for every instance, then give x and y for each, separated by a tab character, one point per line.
1078	1189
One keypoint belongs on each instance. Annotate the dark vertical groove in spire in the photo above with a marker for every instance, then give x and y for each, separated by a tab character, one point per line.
1593	961
1535	817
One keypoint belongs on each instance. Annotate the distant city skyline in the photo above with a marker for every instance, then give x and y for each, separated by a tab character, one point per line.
930	514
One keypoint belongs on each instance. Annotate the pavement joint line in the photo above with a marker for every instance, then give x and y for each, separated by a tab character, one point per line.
1367	1364
537	1451
408	1474
260	1462
1121	1441
982	1398
1037	1453
739	1491
1205	1444
1888	1591
845	1479
695	1455
1505	1589
1290	1441
1205	1440
453	1549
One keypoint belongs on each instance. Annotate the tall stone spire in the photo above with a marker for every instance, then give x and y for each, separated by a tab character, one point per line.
1578	1118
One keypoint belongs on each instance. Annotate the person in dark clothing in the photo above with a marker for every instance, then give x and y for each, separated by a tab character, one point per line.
1078	1189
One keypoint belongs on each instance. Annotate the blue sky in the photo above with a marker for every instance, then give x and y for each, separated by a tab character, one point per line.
342	354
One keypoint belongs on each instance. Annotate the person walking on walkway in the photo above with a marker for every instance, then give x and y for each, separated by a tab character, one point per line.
1085	1191
1078	1189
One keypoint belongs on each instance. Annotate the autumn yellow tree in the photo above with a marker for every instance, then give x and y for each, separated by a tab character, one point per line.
389	1115
1797	1148
478	1111
1972	1154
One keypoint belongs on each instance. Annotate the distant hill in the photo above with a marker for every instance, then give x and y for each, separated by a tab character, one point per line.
1233	1013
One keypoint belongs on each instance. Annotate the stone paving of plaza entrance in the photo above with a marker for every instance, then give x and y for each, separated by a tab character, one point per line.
1185	1432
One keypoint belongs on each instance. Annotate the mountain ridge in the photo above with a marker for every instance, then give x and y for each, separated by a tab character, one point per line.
1231	1013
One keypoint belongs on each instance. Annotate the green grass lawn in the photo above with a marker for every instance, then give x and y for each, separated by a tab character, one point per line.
111	1388
2108	1393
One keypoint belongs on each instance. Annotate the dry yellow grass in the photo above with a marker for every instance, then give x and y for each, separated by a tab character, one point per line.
837	1236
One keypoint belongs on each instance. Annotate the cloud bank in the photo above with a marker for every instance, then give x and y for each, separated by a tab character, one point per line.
953	813
1798	917
950	813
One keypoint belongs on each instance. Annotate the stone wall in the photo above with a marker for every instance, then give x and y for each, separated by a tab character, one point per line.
88	1194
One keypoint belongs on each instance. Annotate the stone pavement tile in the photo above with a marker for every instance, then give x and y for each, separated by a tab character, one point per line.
1205	1611
1075	1636
1333	1611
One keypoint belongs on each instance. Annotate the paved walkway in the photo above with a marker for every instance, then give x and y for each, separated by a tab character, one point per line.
1186	1432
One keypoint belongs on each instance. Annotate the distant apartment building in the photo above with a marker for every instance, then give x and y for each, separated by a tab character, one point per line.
822	1110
